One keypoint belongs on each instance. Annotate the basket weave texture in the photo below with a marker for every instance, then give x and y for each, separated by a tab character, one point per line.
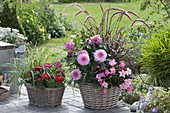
93	99
47	97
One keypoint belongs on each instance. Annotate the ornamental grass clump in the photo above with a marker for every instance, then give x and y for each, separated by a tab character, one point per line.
99	54
156	58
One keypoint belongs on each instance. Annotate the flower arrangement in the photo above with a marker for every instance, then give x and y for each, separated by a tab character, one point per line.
94	65
99	54
42	75
48	75
40	69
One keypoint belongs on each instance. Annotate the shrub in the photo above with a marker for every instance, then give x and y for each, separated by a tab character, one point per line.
41	23
55	24
34	29
8	17
156	58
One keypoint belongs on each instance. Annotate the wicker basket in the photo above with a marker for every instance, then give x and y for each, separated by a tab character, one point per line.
47	97
4	93
94	100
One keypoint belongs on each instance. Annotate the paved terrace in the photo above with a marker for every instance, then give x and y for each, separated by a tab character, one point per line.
71	103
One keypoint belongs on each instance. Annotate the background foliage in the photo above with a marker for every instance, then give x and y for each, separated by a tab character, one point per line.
69	1
35	20
8	17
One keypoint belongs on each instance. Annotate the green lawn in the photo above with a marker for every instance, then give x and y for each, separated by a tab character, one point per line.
94	10
56	44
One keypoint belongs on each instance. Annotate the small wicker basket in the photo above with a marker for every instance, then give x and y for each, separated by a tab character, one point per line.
47	97
94	100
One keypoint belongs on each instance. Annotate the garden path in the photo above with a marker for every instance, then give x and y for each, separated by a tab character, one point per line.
71	103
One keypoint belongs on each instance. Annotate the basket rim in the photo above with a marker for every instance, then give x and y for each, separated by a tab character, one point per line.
95	86
46	89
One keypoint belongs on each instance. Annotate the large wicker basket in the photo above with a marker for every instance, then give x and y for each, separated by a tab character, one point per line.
47	97
94	100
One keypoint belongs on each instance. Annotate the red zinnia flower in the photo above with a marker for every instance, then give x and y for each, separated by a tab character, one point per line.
29	74
59	78
45	76
38	79
38	68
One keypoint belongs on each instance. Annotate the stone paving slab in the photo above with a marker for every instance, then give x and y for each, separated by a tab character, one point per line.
71	103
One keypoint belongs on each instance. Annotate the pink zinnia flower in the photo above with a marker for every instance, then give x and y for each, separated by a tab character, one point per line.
113	70
83	59
57	64
69	45
122	64
100	55
130	88
76	74
122	73
112	62
95	40
128	71
82	52
47	65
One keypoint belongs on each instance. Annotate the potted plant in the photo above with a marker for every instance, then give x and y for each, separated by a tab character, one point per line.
43	78
97	58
